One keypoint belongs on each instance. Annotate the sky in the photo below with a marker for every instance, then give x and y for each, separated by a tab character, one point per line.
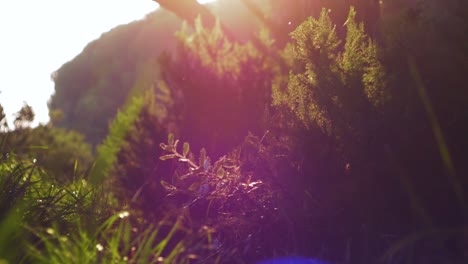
37	37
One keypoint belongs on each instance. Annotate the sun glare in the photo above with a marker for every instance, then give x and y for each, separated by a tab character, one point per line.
205	1
61	30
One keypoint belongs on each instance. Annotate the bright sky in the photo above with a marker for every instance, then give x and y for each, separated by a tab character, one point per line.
38	36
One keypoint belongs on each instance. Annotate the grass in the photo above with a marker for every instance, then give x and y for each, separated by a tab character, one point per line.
116	241
43	222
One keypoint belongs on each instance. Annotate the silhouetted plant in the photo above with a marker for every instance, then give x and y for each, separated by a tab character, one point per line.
136	174
236	197
24	117
221	89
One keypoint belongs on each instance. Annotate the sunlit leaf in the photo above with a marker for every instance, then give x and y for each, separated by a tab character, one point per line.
164	146
194	187
168	187
186	149
166	157
170	139
202	159
220	172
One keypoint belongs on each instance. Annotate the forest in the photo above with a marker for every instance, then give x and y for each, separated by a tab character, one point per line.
250	131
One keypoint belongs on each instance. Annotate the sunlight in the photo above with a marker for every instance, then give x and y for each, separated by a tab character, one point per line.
205	1
234	131
59	29
60	32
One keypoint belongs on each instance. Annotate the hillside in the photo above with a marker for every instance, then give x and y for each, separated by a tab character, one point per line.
91	87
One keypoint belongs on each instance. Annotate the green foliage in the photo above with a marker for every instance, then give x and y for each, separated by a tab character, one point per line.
12	179
338	91
92	87
362	162
35	201
118	129
376	108
221	88
360	63
121	126
43	221
43	198
62	153
235	198
117	240
10	237
136	172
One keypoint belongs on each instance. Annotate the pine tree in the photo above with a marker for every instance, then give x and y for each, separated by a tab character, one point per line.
138	171
338	88
108	150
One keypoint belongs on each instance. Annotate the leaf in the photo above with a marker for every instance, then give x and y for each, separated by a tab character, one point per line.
186	149
220	172
201	161
164	146
195	186
166	157
170	139
217	166
169	187
207	164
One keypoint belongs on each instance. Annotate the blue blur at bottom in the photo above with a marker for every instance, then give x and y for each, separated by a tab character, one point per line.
292	260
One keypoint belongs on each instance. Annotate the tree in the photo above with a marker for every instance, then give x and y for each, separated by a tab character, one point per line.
221	88
107	151
90	88
62	153
189	10
3	120
137	172
337	95
338	91
24	117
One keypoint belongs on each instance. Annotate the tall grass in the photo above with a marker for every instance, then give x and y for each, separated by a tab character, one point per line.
116	241
31	200
42	221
